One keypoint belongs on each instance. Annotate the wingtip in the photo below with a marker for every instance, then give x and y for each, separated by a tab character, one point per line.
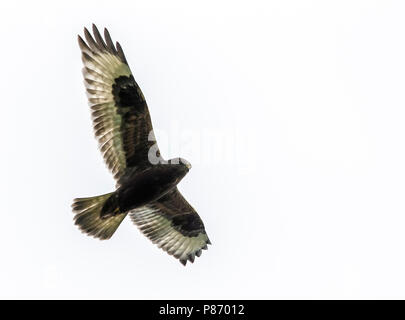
120	52
183	262
110	43
81	42
73	205
95	29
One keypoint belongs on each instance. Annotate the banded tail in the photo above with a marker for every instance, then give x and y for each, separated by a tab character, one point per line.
98	216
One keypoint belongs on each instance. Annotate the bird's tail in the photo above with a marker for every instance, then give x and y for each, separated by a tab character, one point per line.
98	216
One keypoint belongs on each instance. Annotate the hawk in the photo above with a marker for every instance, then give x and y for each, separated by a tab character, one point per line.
146	184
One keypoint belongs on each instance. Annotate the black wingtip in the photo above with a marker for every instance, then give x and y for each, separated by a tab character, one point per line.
82	43
99	38
94	28
120	52
90	40
183	262
109	42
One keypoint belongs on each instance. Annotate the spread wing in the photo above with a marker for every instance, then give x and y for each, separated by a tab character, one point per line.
120	115
172	224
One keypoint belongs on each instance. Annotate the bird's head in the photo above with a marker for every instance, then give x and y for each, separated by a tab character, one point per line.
182	162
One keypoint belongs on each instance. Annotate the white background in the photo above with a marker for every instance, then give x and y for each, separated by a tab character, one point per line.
307	97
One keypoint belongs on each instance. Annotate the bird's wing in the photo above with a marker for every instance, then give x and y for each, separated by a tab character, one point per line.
172	224
120	114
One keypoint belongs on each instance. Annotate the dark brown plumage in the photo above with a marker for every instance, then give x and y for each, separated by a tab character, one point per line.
146	183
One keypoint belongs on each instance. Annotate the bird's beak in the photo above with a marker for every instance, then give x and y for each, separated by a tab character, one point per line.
188	165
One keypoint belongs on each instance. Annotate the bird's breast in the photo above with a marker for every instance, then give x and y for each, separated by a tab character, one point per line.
144	188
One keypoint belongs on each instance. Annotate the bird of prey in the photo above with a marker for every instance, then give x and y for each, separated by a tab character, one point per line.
146	186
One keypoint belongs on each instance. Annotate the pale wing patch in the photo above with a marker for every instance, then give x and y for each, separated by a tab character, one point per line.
159	229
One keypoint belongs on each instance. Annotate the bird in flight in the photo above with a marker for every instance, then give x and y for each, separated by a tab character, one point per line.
146	184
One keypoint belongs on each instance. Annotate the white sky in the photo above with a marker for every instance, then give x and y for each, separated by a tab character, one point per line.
291	112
